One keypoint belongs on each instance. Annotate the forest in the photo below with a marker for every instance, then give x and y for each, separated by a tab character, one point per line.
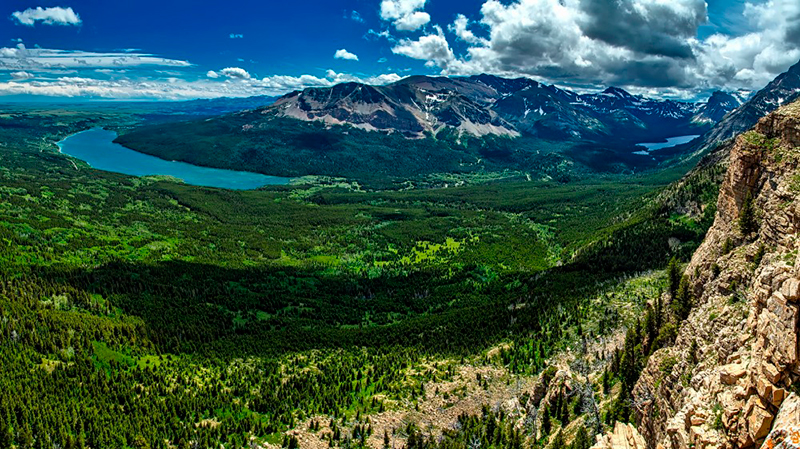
142	312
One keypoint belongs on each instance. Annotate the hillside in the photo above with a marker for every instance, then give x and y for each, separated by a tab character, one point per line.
488	105
170	315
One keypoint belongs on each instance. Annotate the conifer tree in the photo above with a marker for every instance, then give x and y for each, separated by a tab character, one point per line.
747	216
682	301
6	435
558	441
674	276
546	421
582	440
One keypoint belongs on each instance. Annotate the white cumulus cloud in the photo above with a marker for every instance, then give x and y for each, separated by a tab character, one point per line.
460	27
48	16
344	54
432	48
405	15
638	44
235	72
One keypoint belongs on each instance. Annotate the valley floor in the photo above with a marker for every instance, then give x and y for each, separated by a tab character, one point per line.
141	312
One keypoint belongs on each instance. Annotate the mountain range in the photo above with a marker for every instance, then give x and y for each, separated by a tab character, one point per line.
782	90
423	125
489	105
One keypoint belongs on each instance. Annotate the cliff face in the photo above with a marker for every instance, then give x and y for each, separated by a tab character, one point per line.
728	380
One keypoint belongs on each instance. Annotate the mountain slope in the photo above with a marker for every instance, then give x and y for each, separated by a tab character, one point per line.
489	105
410	111
735	361
422	125
715	109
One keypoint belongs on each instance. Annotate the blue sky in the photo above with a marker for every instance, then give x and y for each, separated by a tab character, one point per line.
182	49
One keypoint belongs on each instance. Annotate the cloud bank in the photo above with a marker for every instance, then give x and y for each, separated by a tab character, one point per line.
646	46
642	44
31	59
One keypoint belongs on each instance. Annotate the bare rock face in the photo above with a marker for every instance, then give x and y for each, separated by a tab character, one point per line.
746	312
624	436
786	428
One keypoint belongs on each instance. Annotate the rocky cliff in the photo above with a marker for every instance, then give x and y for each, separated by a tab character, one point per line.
731	378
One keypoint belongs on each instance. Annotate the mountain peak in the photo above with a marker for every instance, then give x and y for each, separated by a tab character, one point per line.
487	104
795	68
721	94
785	88
618	92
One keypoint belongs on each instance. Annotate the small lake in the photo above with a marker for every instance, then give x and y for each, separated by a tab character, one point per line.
671	142
96	147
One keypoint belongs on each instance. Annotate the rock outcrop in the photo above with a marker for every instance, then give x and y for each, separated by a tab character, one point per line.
624	436
786	428
736	356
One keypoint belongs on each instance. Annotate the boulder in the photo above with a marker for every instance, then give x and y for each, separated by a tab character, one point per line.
624	436
791	289
730	374
759	420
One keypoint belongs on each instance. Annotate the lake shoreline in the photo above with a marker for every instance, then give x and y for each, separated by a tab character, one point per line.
96	147
669	142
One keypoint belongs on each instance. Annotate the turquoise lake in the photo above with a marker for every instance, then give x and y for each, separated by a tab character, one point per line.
96	147
671	142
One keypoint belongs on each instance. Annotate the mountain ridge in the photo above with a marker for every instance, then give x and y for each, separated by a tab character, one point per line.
734	367
490	105
784	89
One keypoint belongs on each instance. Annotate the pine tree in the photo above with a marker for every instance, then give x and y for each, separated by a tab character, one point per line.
682	301
747	216
582	440
25	438
558	441
546	421
6	435
139	442
674	276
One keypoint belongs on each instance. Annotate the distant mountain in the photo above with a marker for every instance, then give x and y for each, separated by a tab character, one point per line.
720	104
489	105
783	90
412	110
422	125
212	106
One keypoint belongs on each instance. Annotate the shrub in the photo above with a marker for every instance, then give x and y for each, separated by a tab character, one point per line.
667	364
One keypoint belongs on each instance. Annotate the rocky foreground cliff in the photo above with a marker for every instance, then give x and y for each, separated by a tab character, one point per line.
731	378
